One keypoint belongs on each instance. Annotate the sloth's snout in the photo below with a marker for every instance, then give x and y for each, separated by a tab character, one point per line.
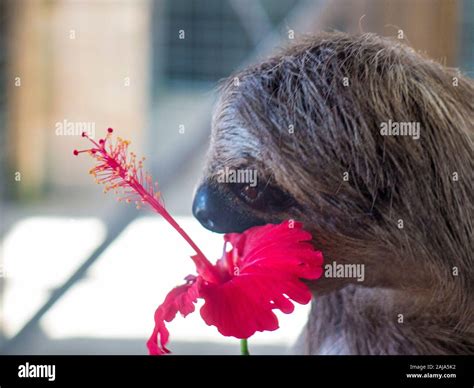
218	213
205	207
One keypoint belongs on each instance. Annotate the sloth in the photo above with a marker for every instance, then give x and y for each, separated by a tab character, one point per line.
312	121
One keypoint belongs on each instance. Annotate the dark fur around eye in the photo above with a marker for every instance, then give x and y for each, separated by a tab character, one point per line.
263	196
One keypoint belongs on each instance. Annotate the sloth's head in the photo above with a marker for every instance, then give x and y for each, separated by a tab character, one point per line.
317	124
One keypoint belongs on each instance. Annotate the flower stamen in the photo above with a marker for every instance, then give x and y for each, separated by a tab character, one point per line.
119	170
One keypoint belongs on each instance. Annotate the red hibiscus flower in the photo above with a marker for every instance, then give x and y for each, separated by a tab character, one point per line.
261	271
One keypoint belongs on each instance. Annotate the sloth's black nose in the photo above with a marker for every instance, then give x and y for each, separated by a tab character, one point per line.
218	213
206	207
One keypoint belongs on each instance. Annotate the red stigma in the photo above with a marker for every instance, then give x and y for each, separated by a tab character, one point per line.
110	130
83	134
75	152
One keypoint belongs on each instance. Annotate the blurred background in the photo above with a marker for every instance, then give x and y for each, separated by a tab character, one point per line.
80	273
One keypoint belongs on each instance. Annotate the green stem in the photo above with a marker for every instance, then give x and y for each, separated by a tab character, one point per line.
244	348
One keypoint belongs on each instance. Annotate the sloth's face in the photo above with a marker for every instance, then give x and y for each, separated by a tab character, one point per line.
257	171
246	183
237	192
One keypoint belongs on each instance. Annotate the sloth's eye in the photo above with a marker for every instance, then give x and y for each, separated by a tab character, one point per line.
262	197
249	193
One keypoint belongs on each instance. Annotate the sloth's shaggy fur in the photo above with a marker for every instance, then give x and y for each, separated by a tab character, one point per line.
313	112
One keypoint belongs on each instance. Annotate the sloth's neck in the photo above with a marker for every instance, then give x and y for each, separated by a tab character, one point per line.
357	320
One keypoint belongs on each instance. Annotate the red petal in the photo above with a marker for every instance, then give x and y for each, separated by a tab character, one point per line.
279	247
179	299
271	261
245	304
261	273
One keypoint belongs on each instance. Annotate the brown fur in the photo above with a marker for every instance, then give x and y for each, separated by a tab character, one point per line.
337	130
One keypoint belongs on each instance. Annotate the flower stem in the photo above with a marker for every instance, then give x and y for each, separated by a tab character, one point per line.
244	348
204	267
